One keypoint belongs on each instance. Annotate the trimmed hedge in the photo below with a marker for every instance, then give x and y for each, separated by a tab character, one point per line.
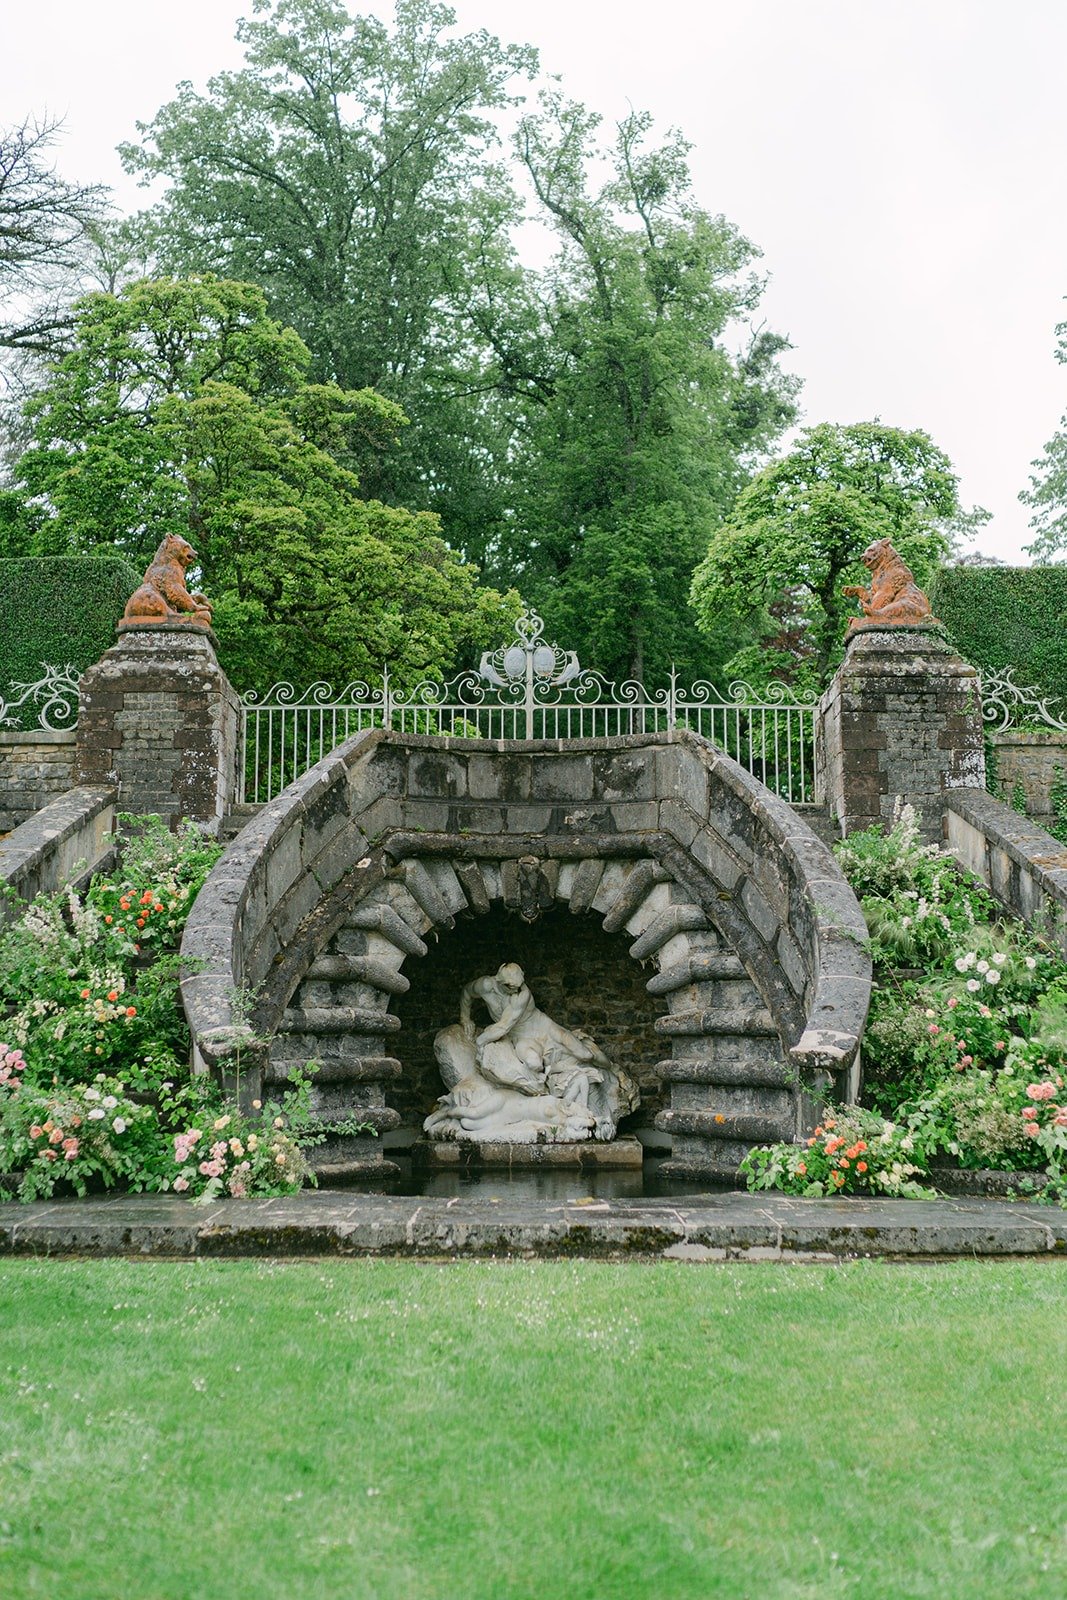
1008	617
58	610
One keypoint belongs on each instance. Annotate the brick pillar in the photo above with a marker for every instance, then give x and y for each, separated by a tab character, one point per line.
901	719
157	717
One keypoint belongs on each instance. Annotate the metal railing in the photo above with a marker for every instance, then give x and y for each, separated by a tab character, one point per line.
51	702
529	690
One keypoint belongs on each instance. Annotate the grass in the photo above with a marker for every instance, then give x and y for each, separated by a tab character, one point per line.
557	1431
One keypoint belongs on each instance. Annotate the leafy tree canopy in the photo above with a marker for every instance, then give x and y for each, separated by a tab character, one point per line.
183	407
348	170
640	435
1047	494
797	533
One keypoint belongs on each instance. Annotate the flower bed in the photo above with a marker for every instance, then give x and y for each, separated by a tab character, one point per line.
965	1053
95	1088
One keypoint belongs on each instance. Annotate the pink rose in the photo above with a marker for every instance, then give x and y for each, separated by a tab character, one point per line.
181	1184
1031	1129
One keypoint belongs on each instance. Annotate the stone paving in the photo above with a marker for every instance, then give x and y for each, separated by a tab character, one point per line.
699	1228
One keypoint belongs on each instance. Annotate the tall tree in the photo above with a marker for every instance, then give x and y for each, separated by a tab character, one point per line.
1047	494
183	407
644	426
45	225
796	535
348	170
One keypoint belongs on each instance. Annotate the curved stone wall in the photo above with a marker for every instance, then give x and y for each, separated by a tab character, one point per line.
757	942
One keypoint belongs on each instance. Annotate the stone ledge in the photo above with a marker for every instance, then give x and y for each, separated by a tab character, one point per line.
585	1155
695	1228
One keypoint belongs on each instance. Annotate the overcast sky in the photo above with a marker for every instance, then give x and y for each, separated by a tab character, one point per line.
899	164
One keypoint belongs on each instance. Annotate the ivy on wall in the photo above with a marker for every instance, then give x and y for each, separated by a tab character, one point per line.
1008	617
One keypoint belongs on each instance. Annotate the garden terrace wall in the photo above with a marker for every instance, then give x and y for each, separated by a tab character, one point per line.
65	840
661	836
35	767
1025	867
1032	760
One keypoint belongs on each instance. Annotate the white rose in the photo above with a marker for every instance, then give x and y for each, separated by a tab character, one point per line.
119	1124
1000	958
1031	963
97	1115
992	976
109	1101
983	966
973	985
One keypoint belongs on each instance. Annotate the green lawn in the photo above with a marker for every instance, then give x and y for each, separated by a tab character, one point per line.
558	1431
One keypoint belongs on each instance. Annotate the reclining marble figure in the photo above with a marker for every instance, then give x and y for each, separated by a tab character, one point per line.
524	1079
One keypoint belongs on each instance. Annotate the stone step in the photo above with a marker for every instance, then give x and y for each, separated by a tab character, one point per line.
769	1074
383	1119
820	822
384	920
747	1130
698	969
356	1069
234	820
676	919
636	888
358	969
337	1019
709	1171
330	1173
748	1024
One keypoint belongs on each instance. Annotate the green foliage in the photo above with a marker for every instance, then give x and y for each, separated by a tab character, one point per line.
1008	617
965	1051
94	1083
183	407
1047	494
852	1151
59	610
799	528
579	430
350	170
636	447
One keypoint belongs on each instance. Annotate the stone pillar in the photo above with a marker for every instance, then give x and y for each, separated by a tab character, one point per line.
158	718
902	719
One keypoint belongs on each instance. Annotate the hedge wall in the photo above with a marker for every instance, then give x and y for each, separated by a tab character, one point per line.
1008	617
55	610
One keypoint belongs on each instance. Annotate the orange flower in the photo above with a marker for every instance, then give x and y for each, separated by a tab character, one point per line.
112	994
131	1011
802	1167
85	994
109	919
719	1117
843	1162
147	897
140	922
861	1166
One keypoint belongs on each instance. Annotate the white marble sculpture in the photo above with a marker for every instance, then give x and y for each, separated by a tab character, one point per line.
524	1079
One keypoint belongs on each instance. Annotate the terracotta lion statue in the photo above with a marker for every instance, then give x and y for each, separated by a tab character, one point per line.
893	596
163	596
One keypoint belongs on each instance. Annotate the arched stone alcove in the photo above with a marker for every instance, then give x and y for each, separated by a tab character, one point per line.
579	974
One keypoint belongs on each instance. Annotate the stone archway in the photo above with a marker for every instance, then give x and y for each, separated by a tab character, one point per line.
751	938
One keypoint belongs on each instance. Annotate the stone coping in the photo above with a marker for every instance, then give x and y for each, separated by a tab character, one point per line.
1025	867
38	736
70	835
697	1228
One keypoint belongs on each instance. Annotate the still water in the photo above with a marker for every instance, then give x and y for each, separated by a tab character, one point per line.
553	1185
